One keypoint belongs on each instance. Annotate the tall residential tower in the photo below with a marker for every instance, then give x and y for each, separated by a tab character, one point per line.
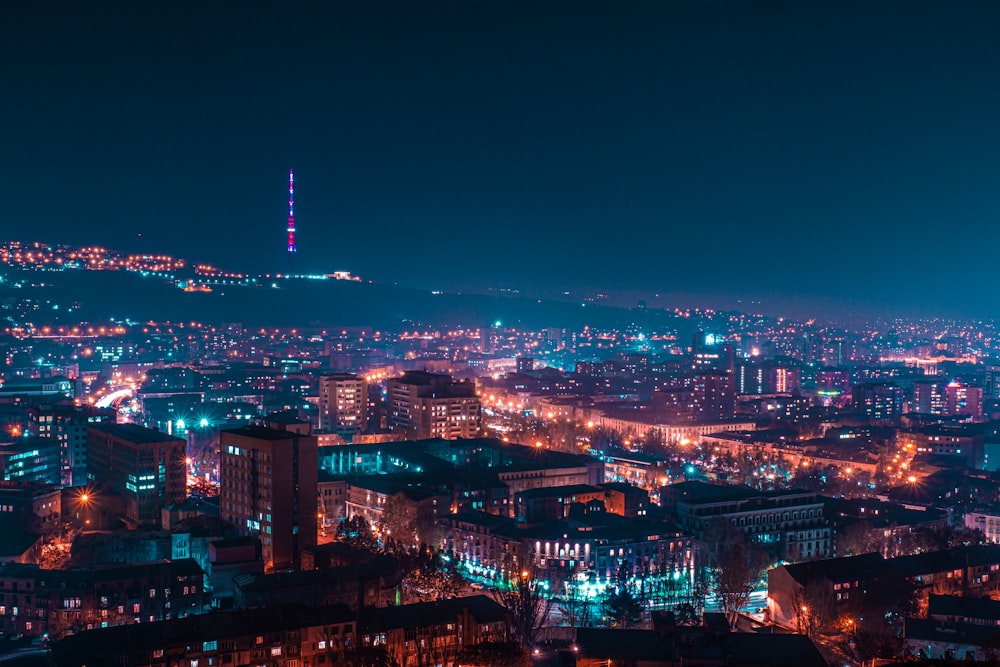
268	490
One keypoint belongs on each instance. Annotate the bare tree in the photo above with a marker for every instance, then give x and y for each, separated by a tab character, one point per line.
735	567
815	609
517	589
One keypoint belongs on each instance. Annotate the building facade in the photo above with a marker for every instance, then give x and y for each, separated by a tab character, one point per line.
68	424
268	489
430	405
343	404
34	601
146	467
30	460
791	525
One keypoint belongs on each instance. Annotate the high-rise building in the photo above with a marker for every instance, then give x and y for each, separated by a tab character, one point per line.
146	467
431	405
269	490
709	353
833	379
715	396
835	353
68	424
784	379
992	384
343	404
880	401
962	399
929	397
750	377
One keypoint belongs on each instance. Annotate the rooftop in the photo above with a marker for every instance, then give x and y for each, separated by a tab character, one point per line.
834	569
968	634
950	559
260	433
963	607
559	491
192	630
257	583
703	492
700	645
134	433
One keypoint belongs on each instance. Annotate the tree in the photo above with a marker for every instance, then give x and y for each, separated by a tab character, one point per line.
860	538
577	608
687	614
878	614
517	589
623	608
815	609
735	566
398	523
357	532
428	576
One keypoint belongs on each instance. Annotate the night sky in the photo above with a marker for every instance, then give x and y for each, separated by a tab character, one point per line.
792	153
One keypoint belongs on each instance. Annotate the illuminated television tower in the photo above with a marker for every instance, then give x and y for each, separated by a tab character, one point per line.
291	211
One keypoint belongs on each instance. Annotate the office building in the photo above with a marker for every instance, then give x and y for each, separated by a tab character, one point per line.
146	467
268	489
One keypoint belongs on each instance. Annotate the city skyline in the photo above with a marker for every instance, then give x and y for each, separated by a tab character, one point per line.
839	157
591	332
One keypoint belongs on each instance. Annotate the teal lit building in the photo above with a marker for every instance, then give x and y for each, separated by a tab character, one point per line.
30	460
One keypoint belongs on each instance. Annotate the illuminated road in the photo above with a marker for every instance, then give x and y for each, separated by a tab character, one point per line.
114	398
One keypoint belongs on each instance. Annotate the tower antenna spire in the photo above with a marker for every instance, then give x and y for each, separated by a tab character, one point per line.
291	211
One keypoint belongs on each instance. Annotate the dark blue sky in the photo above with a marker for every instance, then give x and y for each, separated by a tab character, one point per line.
834	152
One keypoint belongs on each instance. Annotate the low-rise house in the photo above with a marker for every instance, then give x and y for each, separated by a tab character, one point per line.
431	633
375	583
34	601
708	644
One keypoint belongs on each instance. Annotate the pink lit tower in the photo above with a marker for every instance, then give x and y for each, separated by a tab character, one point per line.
291	211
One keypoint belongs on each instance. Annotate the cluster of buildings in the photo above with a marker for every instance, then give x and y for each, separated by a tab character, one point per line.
945	598
168	486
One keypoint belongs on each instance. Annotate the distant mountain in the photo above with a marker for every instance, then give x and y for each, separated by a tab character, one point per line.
103	295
